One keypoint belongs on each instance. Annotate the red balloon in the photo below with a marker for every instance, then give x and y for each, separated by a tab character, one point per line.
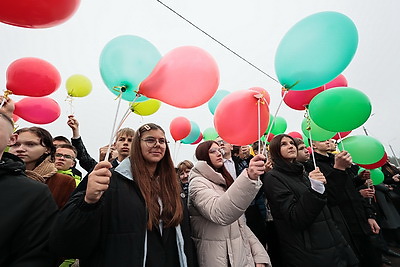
339	81
264	93
15	118
37	13
378	164
186	77
342	135
31	76
236	118
180	128
296	135
198	139
270	136
298	100
39	110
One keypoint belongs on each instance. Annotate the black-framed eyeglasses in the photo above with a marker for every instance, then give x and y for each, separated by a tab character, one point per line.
65	156
152	142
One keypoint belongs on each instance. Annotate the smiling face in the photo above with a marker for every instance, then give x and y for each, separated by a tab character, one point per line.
216	156
288	149
152	151
29	149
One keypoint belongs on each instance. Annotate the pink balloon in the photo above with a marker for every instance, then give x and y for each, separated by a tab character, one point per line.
296	135
264	92
39	110
179	128
298	100
236	118
339	81
342	135
186	77
378	164
31	76
198	139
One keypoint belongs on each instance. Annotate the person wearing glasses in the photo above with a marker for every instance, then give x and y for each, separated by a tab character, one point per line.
65	160
216	205
132	215
35	148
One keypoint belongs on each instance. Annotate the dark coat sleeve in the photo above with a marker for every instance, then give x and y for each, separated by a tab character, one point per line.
299	211
77	228
29	246
85	160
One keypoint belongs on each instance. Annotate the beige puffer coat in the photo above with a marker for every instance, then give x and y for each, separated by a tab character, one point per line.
219	230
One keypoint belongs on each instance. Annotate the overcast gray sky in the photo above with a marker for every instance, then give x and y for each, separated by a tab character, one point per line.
251	28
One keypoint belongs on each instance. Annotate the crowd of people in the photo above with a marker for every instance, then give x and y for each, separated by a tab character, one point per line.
235	206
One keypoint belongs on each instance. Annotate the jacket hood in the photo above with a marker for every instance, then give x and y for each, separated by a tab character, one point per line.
11	164
203	169
124	168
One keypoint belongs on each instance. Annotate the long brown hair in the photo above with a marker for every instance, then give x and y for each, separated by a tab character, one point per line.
202	154
164	186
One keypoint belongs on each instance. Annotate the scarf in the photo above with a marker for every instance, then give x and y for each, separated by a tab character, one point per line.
43	171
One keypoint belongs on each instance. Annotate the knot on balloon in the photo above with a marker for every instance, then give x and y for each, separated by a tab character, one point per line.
7	93
120	90
308	128
261	98
287	88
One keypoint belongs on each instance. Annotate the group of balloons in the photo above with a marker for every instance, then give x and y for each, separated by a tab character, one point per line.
188	132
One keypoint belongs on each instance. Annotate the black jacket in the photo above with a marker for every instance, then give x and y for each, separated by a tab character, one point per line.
27	211
306	231
112	231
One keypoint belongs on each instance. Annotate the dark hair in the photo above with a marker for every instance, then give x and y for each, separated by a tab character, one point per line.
275	148
46	140
68	146
298	142
62	139
203	154
163	185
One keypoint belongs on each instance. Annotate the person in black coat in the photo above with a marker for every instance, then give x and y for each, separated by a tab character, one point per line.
307	234
354	216
27	210
132	215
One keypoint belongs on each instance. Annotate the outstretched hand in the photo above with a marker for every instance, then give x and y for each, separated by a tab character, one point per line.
256	166
8	106
98	181
74	125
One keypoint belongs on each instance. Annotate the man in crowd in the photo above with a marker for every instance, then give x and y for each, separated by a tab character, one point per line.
65	160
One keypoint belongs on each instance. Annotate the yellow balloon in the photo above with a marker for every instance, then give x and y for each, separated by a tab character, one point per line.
78	85
147	107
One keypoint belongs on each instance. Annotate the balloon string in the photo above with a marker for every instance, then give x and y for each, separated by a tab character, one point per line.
176	151
273	120
69	100
259	124
310	137
127	113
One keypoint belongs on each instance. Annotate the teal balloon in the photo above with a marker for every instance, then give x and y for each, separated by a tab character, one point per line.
214	101
193	135
316	50
210	134
377	175
363	149
340	109
279	126
317	133
126	61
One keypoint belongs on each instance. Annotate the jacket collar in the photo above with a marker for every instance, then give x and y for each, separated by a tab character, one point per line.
203	169
124	168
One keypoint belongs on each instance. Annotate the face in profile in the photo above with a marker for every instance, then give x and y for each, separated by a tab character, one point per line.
215	154
303	154
153	145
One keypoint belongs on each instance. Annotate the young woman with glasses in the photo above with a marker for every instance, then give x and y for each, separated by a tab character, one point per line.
216	206
35	148
132	215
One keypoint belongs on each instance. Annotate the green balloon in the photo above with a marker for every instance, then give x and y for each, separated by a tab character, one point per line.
210	134
193	135
316	50
317	133
306	140
377	175
363	149
279	126
340	109
126	61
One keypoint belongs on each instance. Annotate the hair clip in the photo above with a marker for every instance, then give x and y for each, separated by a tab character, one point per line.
147	127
